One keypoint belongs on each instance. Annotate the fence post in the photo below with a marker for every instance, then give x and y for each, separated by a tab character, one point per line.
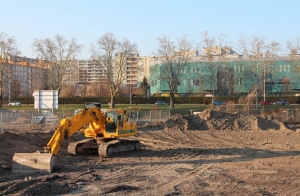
160	115
11	121
18	116
1	122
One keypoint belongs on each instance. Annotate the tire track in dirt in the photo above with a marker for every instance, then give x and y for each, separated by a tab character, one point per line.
142	174
135	175
172	138
293	140
182	136
175	136
263	138
170	155
204	138
157	140
226	138
193	140
167	149
184	177
161	135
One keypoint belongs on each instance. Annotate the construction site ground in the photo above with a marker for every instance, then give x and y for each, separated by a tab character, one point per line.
212	153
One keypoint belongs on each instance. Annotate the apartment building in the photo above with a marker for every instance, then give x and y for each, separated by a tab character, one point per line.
131	73
91	71
89	76
21	76
144	64
71	76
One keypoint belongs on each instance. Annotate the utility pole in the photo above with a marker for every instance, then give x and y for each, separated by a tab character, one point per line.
130	84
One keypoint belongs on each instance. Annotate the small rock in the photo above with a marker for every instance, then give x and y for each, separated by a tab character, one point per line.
4	167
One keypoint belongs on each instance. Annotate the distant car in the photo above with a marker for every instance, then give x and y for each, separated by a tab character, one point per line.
282	102
14	103
77	111
161	103
219	103
265	103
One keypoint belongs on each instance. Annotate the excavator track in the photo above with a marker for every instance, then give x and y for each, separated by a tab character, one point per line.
104	148
86	146
112	147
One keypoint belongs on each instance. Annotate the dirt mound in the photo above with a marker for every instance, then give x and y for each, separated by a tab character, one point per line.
216	120
20	142
185	122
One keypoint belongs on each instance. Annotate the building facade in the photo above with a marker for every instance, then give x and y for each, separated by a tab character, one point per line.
235	76
21	76
91	71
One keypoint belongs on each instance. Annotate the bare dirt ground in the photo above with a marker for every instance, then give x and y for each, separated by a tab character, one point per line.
213	153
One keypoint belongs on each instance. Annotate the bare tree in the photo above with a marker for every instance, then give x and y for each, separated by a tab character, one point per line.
260	55
225	82
68	90
189	89
212	58
174	59
59	53
16	89
112	55
286	85
9	79
293	47
8	46
251	97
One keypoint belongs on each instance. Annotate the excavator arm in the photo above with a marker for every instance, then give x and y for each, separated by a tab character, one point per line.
68	127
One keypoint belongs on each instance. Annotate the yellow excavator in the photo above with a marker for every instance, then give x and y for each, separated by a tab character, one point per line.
107	133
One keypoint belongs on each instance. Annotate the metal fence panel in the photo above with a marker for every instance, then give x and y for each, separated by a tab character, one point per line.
10	120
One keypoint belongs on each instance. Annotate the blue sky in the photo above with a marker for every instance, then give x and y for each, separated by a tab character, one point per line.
143	21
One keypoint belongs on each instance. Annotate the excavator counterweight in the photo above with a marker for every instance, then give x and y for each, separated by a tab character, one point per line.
104	132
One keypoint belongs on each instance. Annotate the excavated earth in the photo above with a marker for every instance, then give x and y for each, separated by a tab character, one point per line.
212	153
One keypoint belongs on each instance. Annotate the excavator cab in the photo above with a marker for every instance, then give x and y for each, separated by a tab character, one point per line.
92	105
111	122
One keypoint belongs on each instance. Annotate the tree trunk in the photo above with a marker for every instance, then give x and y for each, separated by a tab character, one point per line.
171	100
112	102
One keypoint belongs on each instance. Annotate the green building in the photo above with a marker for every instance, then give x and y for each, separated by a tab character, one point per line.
238	77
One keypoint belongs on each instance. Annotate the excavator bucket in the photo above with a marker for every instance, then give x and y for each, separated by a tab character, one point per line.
33	162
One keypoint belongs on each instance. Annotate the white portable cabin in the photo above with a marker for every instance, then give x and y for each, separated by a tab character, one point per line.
45	99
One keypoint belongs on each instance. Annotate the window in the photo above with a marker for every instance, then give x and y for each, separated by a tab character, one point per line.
194	69
239	69
286	68
239	81
195	82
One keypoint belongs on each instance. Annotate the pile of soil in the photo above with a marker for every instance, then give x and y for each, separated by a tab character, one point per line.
216	120
211	153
